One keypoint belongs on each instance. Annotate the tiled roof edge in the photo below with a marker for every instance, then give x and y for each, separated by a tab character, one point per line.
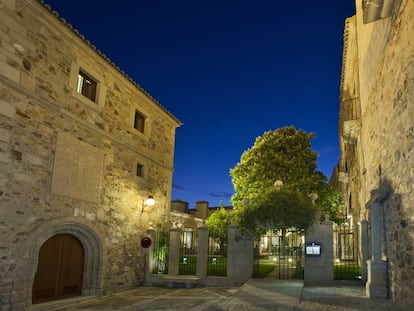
344	54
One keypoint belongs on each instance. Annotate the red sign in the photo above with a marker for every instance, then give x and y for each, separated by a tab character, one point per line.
145	242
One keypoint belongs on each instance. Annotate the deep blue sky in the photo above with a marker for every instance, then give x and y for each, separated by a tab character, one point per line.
229	70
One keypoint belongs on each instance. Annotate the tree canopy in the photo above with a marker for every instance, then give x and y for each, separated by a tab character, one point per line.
217	225
274	179
279	209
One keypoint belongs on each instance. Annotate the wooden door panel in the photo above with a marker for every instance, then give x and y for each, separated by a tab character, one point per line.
44	287
60	269
71	268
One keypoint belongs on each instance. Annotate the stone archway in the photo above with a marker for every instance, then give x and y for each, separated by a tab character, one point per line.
29	252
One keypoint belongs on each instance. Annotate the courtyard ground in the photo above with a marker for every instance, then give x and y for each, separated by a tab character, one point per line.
257	294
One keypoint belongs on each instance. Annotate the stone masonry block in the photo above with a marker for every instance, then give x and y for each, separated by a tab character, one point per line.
9	72
5	135
10	3
11	21
7	109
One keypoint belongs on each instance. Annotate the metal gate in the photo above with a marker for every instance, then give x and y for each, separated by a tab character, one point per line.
160	252
346	261
217	256
281	249
188	252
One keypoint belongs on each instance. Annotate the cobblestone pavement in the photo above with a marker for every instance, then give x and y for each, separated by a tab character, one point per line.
257	294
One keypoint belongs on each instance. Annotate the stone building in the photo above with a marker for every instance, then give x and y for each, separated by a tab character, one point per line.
188	220
200	212
82	147
376	131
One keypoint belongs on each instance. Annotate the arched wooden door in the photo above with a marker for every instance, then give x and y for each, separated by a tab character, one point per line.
59	270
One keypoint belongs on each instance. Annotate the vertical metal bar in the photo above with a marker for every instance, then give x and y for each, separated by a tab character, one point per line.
346	262
188	254
160	257
217	256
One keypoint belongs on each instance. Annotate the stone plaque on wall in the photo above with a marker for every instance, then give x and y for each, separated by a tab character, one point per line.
77	170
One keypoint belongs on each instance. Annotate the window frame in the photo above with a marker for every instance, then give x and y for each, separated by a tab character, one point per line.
142	109
142	181
140	170
140	123
87	86
100	93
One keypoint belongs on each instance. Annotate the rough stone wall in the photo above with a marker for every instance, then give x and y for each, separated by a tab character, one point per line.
386	138
350	123
39	107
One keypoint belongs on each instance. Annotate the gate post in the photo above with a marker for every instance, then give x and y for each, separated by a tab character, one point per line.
240	257
363	248
174	252
150	257
319	267
376	286
202	251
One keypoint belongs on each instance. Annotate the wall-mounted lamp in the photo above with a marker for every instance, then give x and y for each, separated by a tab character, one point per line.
147	202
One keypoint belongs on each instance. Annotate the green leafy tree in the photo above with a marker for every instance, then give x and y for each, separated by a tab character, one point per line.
217	224
332	205
274	179
279	209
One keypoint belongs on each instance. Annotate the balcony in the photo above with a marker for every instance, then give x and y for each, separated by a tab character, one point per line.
351	130
377	9
343	177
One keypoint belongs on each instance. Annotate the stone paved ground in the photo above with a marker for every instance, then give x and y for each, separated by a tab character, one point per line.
257	295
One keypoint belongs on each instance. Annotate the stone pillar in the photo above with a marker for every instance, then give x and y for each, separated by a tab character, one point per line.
202	209
202	251
376	286
150	255
174	252
363	248
376	236
319	268
239	257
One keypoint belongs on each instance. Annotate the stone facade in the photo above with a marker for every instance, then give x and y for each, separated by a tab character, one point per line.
181	214
376	169
69	164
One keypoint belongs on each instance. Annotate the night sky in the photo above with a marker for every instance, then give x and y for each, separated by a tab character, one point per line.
229	71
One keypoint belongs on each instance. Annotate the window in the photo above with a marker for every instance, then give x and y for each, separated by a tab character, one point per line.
139	121
86	86
188	239
140	170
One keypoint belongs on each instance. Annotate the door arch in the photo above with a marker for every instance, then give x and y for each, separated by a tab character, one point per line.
59	270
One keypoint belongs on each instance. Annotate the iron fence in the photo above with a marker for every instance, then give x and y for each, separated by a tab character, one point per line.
217	256
281	253
346	258
188	253
160	252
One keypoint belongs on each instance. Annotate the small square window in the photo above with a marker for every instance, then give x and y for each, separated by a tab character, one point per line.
139	121
140	170
86	86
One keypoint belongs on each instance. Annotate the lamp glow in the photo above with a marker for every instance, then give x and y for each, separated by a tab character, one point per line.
147	202
150	201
